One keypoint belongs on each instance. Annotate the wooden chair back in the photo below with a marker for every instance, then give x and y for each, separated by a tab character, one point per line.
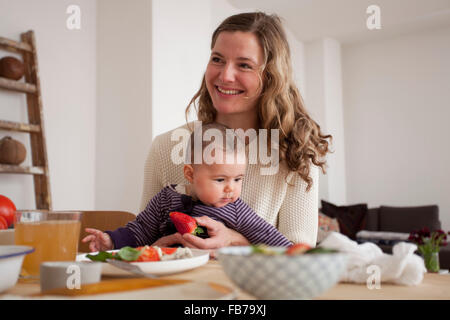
102	220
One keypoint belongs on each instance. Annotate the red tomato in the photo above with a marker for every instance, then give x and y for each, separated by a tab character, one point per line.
148	254
168	250
3	223
7	210
297	248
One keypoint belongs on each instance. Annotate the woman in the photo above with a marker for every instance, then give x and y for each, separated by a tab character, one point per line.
248	84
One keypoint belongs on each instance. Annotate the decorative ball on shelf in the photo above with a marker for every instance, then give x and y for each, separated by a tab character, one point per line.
12	151
11	68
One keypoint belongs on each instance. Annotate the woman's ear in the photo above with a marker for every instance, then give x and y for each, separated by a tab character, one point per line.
188	173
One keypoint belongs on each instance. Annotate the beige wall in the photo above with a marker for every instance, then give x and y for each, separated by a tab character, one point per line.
180	53
67	66
324	103
124	114
397	108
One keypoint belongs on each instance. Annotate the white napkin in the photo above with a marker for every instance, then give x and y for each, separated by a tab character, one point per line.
401	267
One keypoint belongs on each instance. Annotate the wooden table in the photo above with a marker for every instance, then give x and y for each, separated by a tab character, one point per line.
433	287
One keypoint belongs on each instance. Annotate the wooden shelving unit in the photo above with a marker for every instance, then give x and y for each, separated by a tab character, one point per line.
35	126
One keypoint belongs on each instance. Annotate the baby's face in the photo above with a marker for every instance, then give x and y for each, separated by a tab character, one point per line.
218	184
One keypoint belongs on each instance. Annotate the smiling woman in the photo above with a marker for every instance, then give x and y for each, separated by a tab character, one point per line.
248	84
250	53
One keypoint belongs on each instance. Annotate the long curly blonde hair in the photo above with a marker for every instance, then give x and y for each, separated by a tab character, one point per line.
280	105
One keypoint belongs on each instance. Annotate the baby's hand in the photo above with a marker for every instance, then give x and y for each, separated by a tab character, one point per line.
100	241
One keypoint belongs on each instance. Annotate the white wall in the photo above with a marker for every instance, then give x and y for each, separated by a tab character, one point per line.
298	60
397	108
124	119
67	66
220	10
315	95
181	32
324	102
151	59
334	122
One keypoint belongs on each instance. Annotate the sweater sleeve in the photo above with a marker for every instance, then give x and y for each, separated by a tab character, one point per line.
299	213
153	180
256	229
145	227
122	237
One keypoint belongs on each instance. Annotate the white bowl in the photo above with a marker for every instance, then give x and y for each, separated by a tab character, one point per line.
275	277
11	259
68	274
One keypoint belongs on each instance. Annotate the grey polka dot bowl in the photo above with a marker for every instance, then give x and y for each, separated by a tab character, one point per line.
282	277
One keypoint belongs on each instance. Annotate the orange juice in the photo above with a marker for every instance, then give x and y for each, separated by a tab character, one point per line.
53	240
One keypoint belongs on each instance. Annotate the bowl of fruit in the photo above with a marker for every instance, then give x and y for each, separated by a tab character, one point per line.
274	273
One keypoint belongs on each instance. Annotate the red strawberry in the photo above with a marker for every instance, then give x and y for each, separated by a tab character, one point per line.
298	248
185	223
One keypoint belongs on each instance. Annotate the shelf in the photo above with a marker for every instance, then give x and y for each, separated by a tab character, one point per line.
17	86
17	126
34	126
5	168
14	46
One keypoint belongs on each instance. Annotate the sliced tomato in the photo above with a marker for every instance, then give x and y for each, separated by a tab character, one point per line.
298	248
148	254
168	250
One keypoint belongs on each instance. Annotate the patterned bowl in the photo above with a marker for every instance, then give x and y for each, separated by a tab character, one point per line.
282	277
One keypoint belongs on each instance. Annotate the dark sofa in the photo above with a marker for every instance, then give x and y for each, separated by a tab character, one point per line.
405	220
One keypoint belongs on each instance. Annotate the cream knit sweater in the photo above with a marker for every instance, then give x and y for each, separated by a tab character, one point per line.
292	210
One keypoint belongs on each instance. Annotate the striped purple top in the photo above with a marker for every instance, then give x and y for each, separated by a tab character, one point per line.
154	222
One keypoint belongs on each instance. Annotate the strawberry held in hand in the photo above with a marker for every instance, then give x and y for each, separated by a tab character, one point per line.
185	223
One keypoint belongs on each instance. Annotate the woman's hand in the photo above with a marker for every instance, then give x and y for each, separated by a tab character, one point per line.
172	239
219	236
100	241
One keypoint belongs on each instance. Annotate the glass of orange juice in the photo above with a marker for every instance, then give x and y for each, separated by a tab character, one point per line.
53	234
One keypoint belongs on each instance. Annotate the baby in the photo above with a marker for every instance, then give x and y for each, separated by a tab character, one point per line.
214	189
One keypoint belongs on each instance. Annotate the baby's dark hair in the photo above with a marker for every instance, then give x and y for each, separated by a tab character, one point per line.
213	136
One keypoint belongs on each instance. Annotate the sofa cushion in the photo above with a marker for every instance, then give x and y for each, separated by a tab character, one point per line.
351	218
407	219
381	237
371	223
326	225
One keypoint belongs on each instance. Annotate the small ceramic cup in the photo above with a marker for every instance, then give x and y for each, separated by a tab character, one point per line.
69	274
